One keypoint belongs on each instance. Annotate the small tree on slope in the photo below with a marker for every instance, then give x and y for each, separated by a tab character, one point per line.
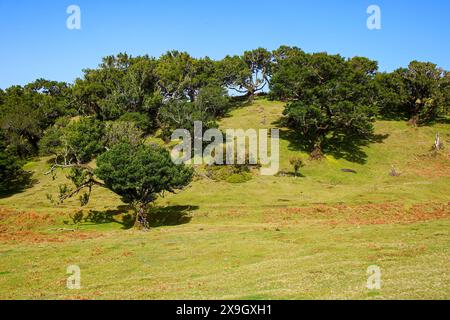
139	174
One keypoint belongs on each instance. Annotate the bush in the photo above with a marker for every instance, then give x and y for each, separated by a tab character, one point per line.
213	100
11	173
239	177
122	132
296	163
85	138
139	174
231	174
74	140
140	120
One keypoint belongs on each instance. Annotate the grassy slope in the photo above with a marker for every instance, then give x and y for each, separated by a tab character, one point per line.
241	244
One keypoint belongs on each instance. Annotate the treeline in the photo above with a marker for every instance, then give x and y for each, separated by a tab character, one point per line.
327	96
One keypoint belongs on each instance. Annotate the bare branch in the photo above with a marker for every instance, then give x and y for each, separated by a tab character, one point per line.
66	166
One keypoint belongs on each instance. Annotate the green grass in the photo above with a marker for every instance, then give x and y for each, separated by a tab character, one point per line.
238	242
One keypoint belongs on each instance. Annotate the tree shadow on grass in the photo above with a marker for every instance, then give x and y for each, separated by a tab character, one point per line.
121	215
19	185
291	174
237	102
350	148
441	120
125	216
340	146
170	216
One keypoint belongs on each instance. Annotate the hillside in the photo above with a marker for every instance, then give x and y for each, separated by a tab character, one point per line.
276	237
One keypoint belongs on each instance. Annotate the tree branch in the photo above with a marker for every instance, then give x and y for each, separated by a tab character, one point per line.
65	166
87	184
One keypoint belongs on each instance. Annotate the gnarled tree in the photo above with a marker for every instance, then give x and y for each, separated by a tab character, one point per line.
246	74
139	174
330	97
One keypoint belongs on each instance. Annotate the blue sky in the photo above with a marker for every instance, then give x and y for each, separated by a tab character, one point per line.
37	44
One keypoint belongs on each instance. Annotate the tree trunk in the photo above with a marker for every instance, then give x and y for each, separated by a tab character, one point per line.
317	153
141	221
414	121
250	93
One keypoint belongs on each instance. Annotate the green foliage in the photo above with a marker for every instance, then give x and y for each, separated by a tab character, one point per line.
141	121
140	173
420	93
82	179
182	76
213	100
239	177
117	132
296	163
54	141
74	141
331	97
391	95
11	172
78	176
181	114
85	138
248	73
231	174
445	87
121	84
286	82
2	97
27	111
423	81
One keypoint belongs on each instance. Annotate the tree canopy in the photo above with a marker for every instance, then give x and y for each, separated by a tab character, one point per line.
248	73
10	168
418	93
329	96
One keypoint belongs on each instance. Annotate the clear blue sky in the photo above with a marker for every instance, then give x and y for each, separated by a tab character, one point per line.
37	44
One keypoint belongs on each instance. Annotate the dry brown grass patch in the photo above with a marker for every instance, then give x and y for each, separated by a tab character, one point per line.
367	214
431	166
32	227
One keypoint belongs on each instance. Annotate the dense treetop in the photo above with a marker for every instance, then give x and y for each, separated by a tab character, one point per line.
324	94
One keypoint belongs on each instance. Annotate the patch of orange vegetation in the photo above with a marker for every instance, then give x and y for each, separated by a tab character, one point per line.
127	253
40	237
367	214
26	220
429	166
27	227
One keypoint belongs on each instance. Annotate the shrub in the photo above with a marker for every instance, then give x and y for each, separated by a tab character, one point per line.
139	174
122	132
239	177
296	163
231	174
11	172
140	120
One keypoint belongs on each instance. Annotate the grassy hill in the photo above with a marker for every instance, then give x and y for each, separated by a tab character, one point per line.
272	237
